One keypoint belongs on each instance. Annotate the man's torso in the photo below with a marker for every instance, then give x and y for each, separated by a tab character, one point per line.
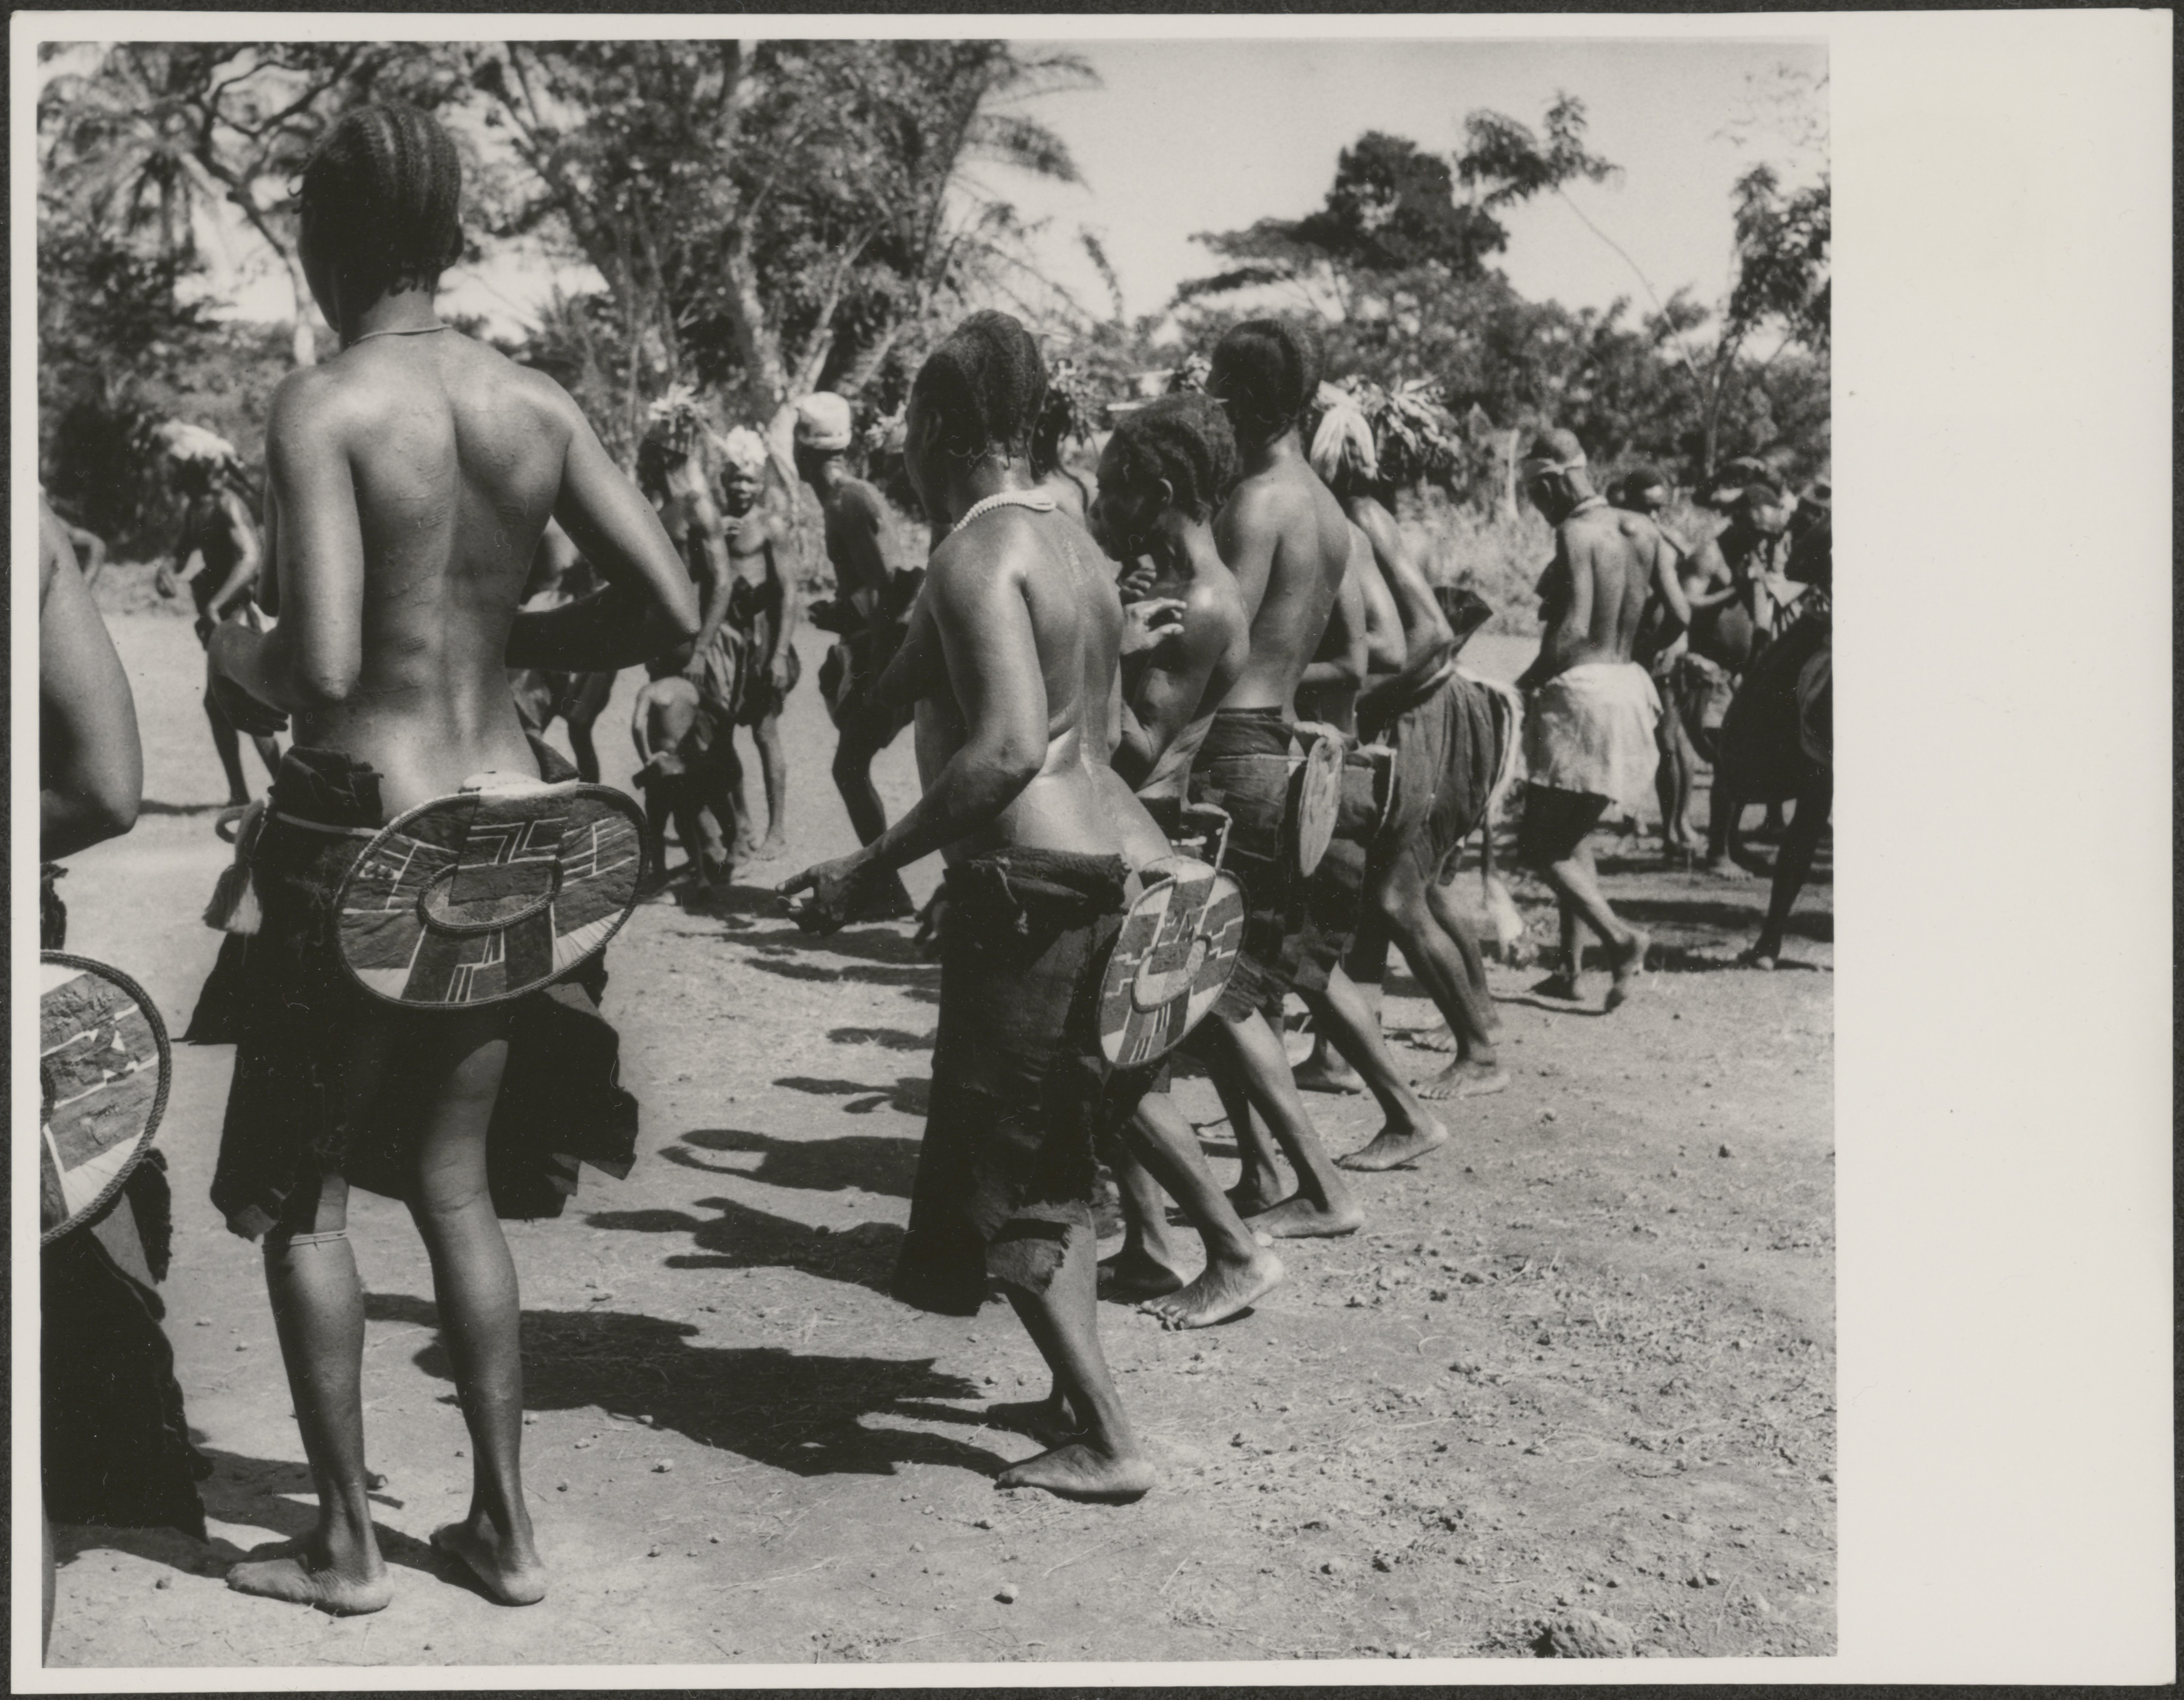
1311	555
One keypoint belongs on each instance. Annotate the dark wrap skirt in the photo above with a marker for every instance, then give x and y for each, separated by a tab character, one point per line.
1021	1091
284	999
1296	928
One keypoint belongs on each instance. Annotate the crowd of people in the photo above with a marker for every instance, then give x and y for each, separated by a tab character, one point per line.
1219	648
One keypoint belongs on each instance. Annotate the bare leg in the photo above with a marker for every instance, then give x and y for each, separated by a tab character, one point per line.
1251	1071
1411	1129
1144	1268
585	752
731	802
1442	905
1326	1070
1567	983
1440	964
1259	1187
852	778
224	740
1578	886
1104	1462
1793	865
1238	1270
474	1284
318	1312
773	767
269	751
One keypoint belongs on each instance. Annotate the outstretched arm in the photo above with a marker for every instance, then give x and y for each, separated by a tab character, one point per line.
91	764
713	581
984	627
779	543
649	604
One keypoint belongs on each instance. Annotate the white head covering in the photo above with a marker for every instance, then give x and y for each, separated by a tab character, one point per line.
744	449
1344	435
189	445
823	422
675	417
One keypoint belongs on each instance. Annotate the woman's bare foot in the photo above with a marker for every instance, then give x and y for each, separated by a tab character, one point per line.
1397	1147
1431	1038
291	1571
1559	985
1297	1218
772	849
507	1569
1765	952
1049	1421
1221	1291
1134	1273
1465	1078
1081	1471
1254	1195
1629	963
1323	1071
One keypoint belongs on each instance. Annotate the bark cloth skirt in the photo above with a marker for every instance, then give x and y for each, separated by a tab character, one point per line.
1296	928
1020	1091
1448	752
282	998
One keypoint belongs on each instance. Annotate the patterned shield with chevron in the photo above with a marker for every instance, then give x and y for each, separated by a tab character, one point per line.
491	893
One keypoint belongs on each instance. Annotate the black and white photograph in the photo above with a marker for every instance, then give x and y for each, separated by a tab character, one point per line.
963	849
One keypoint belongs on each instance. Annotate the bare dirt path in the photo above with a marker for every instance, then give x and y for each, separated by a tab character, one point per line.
1581	1360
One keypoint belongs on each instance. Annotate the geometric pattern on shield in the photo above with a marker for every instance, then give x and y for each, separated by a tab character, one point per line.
103	1068
488	895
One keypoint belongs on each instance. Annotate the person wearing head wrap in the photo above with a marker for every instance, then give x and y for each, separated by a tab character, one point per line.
1449	745
1288	542
762	615
866	614
219	533
1591	710
1694	690
1067	417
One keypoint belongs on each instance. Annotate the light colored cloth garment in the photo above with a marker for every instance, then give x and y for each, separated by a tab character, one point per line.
1591	730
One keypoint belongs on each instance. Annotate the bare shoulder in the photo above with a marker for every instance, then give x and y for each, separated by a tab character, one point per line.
492	374
970	569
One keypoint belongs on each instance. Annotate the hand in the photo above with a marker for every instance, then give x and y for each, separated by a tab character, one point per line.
835	887
165	582
1148	624
1136	584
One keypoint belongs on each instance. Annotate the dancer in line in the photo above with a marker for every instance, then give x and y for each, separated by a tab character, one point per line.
411	476
1589	722
1014	624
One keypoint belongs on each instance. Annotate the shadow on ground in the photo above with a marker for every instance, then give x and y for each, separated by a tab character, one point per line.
869	1161
794	1411
740	1237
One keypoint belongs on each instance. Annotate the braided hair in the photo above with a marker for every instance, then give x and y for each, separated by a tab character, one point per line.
1186	439
1265	372
986	386
385	187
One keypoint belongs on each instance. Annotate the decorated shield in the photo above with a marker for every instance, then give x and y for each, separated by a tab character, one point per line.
104	1068
1170	961
491	893
1319	801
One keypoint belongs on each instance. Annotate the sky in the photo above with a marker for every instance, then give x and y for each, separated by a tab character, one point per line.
1183	136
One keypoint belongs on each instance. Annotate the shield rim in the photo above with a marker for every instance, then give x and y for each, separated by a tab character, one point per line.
112	1190
567	788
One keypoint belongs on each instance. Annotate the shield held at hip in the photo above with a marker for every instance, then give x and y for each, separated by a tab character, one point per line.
1172	958
103	1068
490	894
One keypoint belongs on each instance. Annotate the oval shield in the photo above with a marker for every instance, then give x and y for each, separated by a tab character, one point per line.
491	893
1319	801
104	1067
1173	956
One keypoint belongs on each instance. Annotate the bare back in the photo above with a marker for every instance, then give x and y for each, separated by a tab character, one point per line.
412	479
1288	542
1592	595
1012	601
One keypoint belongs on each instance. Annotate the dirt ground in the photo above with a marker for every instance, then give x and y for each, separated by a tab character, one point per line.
1581	1361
